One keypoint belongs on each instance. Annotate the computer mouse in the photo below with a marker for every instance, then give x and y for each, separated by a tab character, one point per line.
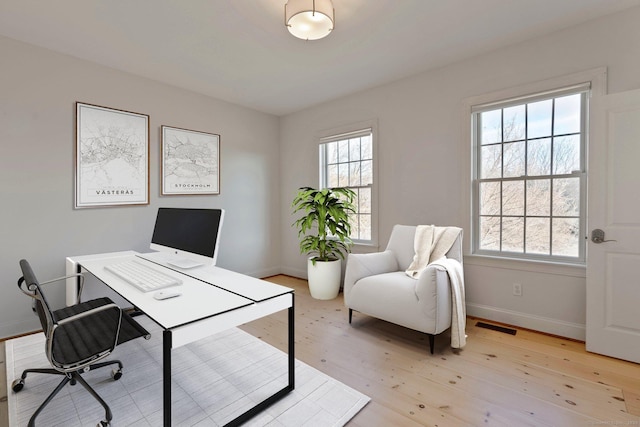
166	294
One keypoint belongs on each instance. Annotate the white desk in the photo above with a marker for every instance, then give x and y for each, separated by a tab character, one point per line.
213	299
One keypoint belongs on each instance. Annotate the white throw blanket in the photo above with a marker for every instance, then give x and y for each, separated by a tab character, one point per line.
458	306
431	243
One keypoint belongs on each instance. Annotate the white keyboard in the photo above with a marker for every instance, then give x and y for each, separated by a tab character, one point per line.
142	276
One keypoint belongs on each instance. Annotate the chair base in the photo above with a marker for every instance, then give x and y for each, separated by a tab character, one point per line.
72	378
432	338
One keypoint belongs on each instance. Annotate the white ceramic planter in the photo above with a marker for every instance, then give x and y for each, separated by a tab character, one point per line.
324	278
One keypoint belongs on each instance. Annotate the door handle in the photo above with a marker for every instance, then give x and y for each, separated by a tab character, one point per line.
597	236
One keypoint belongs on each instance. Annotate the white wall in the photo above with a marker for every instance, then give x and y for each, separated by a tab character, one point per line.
423	175
38	91
423	159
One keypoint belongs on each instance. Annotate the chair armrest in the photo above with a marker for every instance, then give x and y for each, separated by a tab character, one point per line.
434	296
89	313
30	290
80	275
364	265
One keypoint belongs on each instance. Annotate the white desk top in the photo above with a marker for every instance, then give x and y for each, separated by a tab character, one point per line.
249	287
199	300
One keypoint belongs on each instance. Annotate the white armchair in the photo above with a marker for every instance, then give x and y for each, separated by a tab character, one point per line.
376	284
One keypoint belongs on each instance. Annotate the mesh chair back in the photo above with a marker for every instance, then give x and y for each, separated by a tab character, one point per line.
41	305
73	344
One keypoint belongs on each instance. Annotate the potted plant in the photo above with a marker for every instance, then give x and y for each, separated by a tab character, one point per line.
325	230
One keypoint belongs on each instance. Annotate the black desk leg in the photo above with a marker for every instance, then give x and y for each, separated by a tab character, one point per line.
166	377
292	358
241	419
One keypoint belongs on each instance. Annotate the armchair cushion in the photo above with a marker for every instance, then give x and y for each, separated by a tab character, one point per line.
366	265
389	296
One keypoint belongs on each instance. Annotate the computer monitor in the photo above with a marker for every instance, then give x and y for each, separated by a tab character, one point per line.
189	237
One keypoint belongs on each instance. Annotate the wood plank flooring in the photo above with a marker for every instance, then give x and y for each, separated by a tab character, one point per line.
529	379
496	380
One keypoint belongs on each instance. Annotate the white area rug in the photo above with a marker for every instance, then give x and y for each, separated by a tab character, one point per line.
214	380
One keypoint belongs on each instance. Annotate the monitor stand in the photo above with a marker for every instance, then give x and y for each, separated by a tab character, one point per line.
184	263
172	260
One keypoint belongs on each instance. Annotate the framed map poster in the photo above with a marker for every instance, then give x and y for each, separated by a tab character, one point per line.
112	157
190	162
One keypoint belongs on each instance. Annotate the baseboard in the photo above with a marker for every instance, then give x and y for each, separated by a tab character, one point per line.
294	272
11	330
267	272
547	325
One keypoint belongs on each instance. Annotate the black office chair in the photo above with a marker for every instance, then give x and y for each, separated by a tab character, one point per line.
78	337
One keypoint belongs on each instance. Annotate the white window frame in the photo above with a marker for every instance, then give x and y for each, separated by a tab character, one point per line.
583	90
597	78
344	132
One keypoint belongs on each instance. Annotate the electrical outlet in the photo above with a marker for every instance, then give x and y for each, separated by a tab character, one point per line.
517	289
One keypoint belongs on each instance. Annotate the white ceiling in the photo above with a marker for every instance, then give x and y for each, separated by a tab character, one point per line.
241	52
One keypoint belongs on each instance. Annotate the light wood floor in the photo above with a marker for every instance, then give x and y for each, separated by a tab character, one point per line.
497	380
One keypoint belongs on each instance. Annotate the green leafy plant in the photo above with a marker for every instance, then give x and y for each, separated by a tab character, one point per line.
325	224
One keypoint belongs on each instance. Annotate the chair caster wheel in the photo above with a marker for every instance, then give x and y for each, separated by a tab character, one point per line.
104	424
116	374
17	385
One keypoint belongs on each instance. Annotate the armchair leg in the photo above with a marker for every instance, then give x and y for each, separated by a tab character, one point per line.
350	315
432	339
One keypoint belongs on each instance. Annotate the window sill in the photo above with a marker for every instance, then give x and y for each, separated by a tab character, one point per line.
548	267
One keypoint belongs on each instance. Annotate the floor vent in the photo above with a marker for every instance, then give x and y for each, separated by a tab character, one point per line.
496	328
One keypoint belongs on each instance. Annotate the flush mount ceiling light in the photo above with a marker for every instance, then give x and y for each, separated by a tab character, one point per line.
309	19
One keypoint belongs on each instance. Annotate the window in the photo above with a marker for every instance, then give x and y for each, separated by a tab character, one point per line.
346	160
529	180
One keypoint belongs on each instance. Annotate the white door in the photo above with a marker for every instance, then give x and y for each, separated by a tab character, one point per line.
613	260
